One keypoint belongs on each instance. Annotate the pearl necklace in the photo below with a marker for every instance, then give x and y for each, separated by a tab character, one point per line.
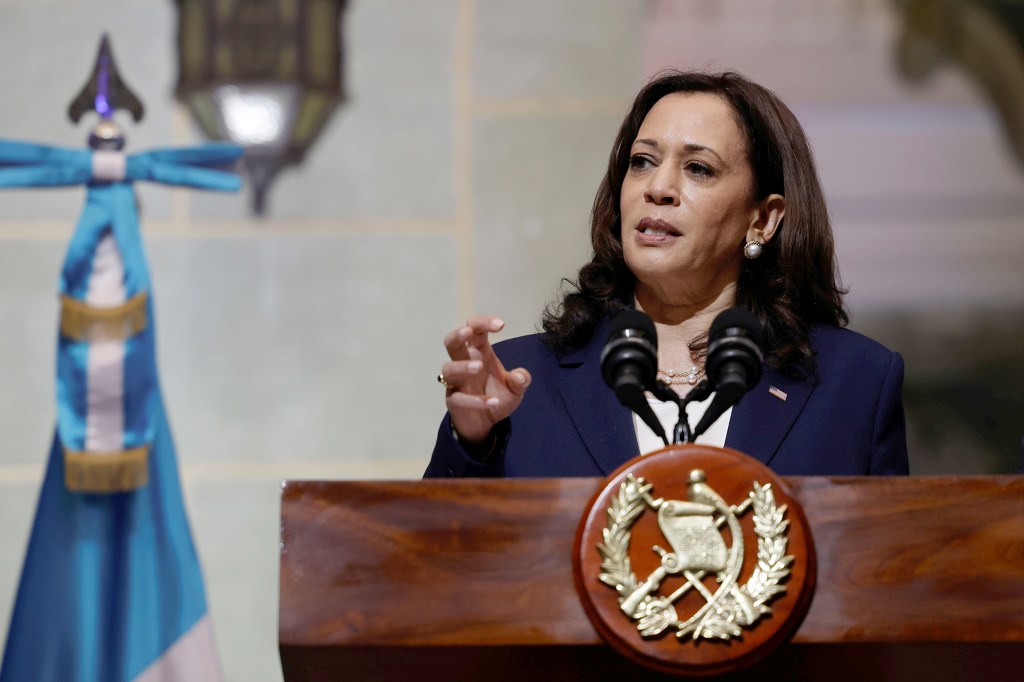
675	377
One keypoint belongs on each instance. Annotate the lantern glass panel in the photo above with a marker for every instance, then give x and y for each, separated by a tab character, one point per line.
257	115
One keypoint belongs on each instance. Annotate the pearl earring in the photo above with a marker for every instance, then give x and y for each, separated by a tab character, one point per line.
753	250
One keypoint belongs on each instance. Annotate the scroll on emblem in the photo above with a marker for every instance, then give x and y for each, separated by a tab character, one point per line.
692	541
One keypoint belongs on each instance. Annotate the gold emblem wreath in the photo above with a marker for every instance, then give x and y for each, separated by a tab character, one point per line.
733	611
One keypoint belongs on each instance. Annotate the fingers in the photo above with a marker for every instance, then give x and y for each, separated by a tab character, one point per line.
479	391
518	380
483	324
469	401
457	372
478	398
472	335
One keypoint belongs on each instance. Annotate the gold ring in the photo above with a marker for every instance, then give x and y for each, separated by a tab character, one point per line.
440	380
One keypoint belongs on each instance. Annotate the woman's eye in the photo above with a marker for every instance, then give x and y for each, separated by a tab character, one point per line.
639	162
700	170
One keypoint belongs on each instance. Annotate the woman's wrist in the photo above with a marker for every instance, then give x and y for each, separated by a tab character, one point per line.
483	450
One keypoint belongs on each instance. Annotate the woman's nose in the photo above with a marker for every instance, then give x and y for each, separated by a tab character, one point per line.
663	188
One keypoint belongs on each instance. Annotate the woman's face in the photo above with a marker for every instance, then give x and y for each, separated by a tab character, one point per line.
686	201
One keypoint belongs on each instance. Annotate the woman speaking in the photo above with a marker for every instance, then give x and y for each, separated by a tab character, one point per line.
710	200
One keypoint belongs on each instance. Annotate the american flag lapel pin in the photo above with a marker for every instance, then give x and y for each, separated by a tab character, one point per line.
778	393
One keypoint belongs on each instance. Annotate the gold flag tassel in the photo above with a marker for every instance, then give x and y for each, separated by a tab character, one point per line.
82	322
106	472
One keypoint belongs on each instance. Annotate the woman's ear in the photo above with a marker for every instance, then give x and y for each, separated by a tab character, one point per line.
767	218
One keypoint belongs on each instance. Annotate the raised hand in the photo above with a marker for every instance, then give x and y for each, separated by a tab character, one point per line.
480	392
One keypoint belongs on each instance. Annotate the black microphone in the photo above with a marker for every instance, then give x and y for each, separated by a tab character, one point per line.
734	361
629	364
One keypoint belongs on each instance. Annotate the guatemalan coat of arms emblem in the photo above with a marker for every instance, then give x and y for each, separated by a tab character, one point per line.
694	560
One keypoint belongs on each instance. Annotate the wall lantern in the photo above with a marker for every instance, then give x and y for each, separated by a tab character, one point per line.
265	74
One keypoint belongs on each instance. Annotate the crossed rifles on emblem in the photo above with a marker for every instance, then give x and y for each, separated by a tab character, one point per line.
692	528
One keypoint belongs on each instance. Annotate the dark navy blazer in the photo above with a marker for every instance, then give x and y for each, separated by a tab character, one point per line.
848	422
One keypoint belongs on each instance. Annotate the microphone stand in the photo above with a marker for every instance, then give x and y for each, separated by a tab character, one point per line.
662	391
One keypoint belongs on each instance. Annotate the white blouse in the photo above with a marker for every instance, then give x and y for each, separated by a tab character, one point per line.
668	415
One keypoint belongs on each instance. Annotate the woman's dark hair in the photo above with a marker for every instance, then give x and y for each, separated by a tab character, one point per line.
791	286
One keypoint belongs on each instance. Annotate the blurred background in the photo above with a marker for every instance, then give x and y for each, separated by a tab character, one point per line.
455	177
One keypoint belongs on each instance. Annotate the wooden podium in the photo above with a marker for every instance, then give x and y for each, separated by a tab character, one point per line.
472	580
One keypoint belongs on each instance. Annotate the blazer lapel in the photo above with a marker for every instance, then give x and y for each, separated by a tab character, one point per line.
761	420
605	426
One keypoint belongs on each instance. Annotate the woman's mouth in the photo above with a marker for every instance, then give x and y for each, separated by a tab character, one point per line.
652	230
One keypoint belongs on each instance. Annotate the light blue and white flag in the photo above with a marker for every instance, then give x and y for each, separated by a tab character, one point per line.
111	588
